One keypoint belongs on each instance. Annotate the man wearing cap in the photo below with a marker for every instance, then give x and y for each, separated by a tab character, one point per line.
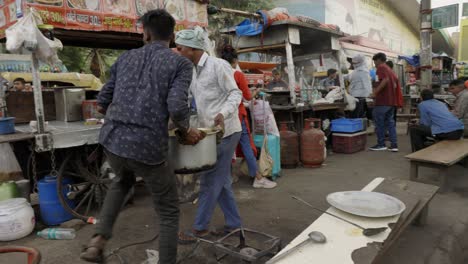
217	99
360	85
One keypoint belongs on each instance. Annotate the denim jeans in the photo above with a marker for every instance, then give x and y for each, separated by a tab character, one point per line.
216	188
247	151
161	181
384	121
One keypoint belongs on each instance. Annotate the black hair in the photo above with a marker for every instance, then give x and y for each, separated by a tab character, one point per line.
159	23
275	72
331	71
390	64
229	54
380	56
457	83
427	94
23	81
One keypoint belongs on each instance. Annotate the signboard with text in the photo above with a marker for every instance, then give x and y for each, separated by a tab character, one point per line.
445	16
102	15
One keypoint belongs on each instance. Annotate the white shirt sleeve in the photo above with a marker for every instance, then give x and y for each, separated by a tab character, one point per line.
228	84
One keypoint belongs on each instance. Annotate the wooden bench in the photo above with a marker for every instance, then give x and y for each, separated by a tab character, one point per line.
346	244
441	156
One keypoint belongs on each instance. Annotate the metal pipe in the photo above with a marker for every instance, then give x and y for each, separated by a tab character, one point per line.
291	72
426	44
240	13
38	103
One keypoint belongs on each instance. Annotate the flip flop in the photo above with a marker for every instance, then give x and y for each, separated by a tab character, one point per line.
221	231
190	237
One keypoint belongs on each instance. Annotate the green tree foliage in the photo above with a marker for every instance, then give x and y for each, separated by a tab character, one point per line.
95	61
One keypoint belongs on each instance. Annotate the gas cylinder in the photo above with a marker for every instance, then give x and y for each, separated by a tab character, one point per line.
289	147
312	144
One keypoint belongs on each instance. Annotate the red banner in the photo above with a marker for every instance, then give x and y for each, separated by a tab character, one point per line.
102	15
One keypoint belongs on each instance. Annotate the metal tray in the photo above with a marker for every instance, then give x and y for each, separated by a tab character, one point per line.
368	204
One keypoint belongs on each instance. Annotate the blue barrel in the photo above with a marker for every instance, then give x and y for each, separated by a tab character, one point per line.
52	211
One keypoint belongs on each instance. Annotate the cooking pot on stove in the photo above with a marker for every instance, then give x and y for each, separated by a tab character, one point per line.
187	159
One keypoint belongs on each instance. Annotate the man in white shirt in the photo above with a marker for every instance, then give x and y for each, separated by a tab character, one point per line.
217	99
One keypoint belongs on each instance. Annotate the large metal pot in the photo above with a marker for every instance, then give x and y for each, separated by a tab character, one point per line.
186	159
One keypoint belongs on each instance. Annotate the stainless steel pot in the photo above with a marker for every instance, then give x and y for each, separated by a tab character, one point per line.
187	159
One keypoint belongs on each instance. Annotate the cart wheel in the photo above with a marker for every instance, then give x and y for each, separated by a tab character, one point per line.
81	181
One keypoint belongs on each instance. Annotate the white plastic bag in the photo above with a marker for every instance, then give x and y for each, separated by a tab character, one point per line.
152	257
351	100
334	95
25	33
10	169
264	118
22	33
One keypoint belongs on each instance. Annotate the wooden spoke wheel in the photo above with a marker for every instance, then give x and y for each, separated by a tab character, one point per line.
82	184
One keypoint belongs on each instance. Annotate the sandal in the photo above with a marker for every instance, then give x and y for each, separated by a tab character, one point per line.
93	252
190	237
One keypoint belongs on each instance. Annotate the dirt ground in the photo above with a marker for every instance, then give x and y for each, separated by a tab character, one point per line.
274	212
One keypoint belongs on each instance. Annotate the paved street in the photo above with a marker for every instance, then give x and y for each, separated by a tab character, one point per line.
274	212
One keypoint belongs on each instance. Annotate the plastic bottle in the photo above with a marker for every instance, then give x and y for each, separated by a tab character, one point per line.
57	233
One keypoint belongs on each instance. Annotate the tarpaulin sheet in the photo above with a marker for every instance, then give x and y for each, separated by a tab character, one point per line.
102	15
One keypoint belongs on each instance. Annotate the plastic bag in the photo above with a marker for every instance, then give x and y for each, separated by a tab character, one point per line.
264	118
351	100
334	95
265	163
22	33
26	34
10	169
152	257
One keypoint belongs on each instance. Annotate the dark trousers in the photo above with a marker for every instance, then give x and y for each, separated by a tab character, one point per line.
361	108
419	134
161	182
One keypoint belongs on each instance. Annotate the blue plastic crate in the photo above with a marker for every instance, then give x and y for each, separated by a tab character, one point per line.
344	125
7	125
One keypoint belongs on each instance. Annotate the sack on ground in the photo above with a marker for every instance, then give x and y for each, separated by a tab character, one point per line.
265	164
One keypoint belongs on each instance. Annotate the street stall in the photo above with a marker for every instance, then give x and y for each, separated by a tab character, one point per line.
306	48
443	68
59	128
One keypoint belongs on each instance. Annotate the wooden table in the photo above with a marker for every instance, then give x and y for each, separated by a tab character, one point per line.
299	112
441	156
346	244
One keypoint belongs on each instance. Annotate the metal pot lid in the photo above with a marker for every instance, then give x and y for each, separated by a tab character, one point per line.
367	204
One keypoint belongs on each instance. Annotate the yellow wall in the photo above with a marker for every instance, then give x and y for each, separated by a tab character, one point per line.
463	41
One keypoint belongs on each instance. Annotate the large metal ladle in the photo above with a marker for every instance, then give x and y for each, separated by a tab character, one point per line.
365	231
314	236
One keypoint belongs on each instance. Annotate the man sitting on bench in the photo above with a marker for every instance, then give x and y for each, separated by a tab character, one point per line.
436	121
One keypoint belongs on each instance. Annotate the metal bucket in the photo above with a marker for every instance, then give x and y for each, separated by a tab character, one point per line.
187	159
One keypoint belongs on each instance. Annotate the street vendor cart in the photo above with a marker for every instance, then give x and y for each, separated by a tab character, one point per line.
65	144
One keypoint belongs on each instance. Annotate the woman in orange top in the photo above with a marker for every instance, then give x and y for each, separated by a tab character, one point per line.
246	142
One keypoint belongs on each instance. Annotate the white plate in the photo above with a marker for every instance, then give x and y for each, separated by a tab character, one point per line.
368	204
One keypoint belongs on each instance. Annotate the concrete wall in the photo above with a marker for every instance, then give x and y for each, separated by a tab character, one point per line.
375	19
